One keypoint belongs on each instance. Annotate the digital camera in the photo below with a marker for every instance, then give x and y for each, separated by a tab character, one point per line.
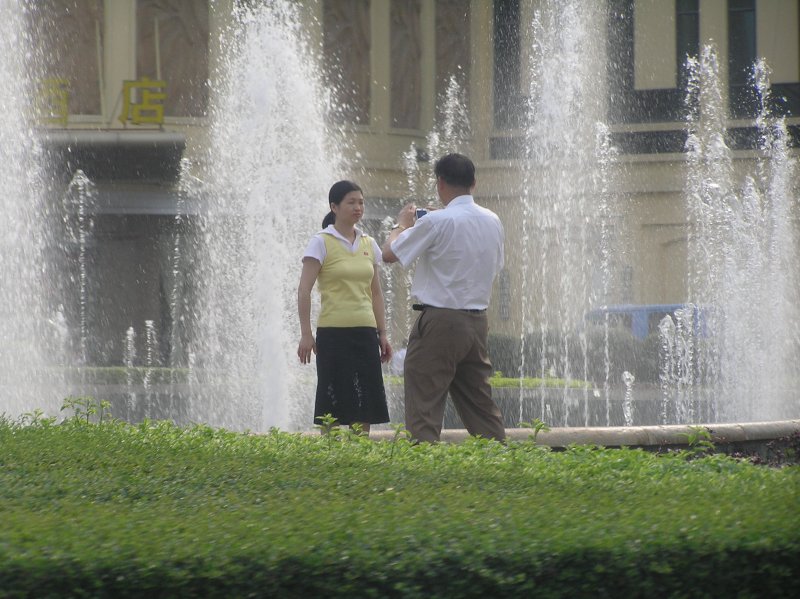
421	212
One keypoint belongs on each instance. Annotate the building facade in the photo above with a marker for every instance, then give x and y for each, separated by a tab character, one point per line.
126	89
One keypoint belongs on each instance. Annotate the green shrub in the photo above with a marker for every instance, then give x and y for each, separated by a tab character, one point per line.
114	510
584	352
121	375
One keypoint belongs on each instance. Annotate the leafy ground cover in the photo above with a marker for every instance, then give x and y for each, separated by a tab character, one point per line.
114	510
121	375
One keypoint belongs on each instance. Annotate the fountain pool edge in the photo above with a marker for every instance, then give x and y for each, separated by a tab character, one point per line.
725	436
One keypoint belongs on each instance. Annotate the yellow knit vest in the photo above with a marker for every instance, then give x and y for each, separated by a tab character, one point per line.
345	284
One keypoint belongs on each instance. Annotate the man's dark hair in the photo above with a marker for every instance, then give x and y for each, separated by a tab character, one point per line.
456	170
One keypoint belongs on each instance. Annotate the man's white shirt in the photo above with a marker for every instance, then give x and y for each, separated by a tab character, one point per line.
460	251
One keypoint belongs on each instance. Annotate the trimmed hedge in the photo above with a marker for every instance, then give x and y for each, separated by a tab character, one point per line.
122	375
625	352
114	510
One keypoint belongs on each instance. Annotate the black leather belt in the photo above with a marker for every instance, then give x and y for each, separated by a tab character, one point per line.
421	307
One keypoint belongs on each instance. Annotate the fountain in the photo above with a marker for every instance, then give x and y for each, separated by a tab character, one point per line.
568	221
742	256
450	133
731	354
270	162
262	181
30	330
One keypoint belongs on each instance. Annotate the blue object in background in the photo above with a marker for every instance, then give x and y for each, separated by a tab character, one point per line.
643	319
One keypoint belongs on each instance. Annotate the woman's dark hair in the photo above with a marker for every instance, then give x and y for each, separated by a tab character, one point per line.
335	196
456	170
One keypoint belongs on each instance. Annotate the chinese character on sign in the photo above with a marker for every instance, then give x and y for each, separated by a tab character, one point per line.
149	107
53	101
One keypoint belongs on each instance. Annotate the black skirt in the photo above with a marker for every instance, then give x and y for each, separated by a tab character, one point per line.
349	377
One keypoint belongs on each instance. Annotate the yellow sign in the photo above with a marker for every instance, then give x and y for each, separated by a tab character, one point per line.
53	101
149	107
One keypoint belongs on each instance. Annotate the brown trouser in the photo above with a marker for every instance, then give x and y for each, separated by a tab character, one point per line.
447	352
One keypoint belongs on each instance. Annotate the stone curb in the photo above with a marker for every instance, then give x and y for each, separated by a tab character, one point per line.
633	436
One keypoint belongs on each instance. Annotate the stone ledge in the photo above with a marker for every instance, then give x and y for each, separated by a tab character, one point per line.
635	436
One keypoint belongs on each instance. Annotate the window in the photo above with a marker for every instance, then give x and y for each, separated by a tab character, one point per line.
687	35
741	56
629	104
741	40
508	105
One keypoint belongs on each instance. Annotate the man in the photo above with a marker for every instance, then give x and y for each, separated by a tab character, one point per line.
460	251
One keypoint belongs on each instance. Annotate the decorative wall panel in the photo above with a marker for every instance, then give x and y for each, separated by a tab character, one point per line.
406	62
346	58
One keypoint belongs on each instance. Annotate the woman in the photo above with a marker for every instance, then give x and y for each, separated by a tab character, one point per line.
351	337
